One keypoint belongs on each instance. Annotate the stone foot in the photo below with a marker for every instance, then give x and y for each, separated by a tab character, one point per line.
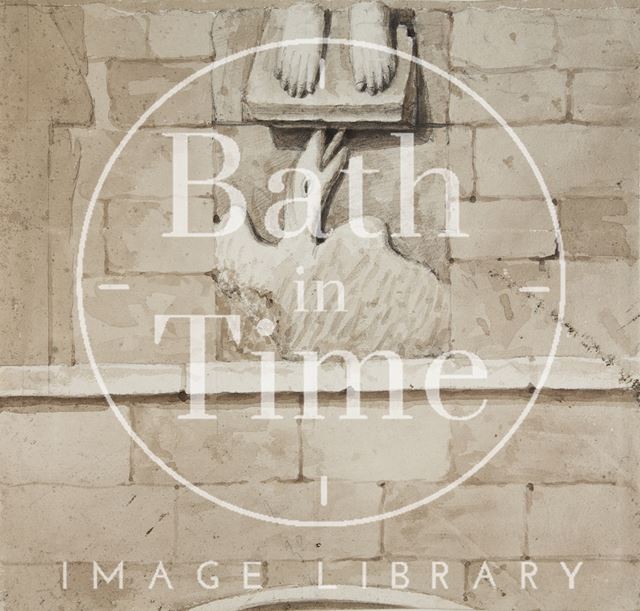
373	70
297	65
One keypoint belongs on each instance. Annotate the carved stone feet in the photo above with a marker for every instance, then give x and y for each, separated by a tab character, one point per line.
373	70
297	66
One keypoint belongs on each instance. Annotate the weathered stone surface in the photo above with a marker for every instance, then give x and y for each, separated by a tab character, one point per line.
492	318
135	85
262	269
32	586
606	97
360	450
261	156
243	377
69	21
23	235
502	38
235	448
111	32
120	324
379	574
379	285
135	241
505	229
597	38
519	97
78	157
233	536
43	66
144	168
582	443
584	520
432	29
439	148
132	523
143	173
62	381
448	527
592	590
55	91
233	31
147	159
70	444
55	41
602	308
263	153
564	438
64	160
573	159
594	227
97	83
181	34
13	63
580	373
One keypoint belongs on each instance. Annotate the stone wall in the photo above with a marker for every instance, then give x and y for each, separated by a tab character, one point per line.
75	487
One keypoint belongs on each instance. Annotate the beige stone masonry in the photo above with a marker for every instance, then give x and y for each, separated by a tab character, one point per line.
181	34
129	222
361	450
121	324
349	572
606	96
575	160
186	592
568	436
63	444
502	38
585	43
111	32
532	96
235	448
507	229
594	227
552	584
475	522
135	85
584	520
44	523
233	536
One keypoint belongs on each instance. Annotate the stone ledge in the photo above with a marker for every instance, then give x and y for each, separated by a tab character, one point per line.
79	381
568	373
